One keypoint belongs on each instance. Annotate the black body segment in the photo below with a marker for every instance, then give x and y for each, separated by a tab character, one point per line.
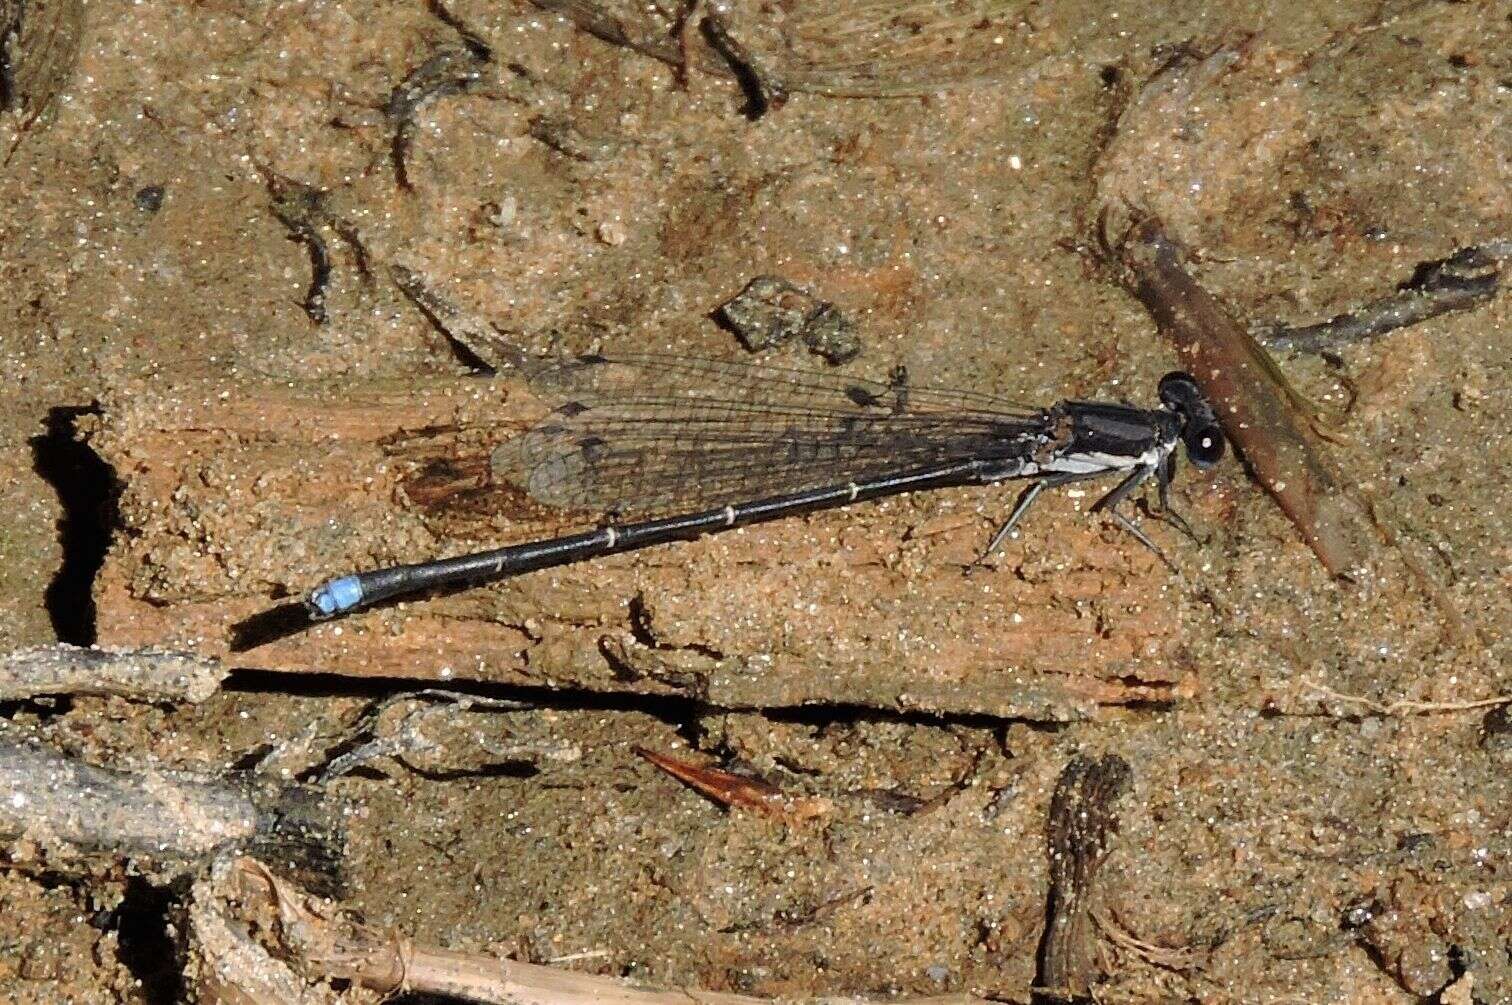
1200	431
1098	428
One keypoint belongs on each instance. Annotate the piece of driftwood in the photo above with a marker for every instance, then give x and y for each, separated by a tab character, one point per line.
239	497
137	674
159	820
313	939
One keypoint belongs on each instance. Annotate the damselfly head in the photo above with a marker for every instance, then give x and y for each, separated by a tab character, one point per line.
1199	423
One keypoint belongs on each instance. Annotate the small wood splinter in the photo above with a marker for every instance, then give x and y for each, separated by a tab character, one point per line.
738	791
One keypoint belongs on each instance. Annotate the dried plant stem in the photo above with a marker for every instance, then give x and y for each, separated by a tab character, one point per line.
1253	399
1406	706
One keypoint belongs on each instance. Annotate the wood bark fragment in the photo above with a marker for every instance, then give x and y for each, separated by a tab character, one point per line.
1082	822
240	497
228	967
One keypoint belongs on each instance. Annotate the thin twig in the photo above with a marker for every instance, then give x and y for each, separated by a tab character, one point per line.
452	70
429	732
479	345
301	208
763	90
1466	279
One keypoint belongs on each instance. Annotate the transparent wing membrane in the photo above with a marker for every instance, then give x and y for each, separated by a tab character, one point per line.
650	434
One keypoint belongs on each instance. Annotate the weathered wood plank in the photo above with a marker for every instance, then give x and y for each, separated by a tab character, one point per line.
239	498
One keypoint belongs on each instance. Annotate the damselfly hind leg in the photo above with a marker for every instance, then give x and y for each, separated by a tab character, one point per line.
1109	504
1025	500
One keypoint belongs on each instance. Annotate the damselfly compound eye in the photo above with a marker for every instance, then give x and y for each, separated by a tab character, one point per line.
1204	445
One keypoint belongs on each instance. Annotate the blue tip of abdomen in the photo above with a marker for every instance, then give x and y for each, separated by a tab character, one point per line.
335	597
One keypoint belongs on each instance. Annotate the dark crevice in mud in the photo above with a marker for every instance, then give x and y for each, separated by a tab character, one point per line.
89	492
823	715
46	706
143	923
505	769
329	685
644	631
676	710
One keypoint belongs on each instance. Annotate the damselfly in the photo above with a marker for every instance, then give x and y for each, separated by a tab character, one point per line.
696	447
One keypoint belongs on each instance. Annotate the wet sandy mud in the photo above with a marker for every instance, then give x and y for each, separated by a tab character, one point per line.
196	432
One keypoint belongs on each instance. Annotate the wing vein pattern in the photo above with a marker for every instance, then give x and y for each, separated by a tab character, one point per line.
648	435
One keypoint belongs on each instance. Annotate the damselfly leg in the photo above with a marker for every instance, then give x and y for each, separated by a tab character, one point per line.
1167	512
1109	504
1025	500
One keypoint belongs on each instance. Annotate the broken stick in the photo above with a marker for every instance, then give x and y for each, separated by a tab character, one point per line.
159	820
